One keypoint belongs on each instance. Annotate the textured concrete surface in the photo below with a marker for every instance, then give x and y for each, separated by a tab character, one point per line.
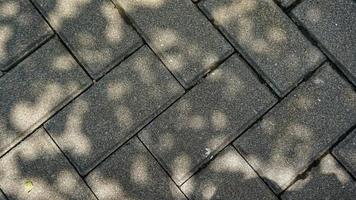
21	30
93	30
300	128
266	37
182	37
38	87
36	169
333	25
326	181
345	152
201	123
144	99
228	176
114	109
132	173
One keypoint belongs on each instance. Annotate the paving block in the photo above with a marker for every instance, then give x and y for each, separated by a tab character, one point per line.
114	109
36	169
267	38
326	181
93	30
228	176
345	152
22	30
333	25
2	197
179	33
286	3
132	173
207	118
35	89
300	128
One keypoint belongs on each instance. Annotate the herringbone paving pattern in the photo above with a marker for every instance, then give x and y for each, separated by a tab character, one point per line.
177	99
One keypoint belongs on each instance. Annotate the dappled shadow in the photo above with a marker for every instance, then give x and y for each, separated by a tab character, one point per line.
22	29
114	109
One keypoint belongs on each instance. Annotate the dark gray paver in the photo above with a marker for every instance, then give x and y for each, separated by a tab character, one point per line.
207	118
268	38
228	176
326	181
94	31
114	109
345	152
286	3
132	173
35	89
22	29
300	128
36	169
333	25
179	33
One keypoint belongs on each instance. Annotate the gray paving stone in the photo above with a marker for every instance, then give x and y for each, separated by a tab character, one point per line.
22	29
333	25
2	197
327	181
35	89
286	3
114	109
179	33
36	169
228	176
132	173
268	38
207	118
93	30
345	152
300	128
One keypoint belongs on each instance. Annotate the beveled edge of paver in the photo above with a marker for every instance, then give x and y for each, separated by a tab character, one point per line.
86	83
2	195
29	49
96	75
136	129
227	141
324	50
336	153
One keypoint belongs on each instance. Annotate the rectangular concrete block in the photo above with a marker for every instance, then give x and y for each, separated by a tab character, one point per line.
93	30
36	169
178	32
228	176
326	181
300	128
132	173
345	152
114	109
35	89
212	114
333	25
267	38
22	29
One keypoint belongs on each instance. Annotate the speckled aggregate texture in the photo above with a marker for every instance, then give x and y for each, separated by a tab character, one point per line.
333	24
114	109
345	152
201	123
133	174
21	30
267	38
228	176
36	169
182	37
300	128
326	181
35	89
286	3
93	30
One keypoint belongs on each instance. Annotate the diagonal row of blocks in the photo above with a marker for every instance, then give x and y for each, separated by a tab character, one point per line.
200	124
